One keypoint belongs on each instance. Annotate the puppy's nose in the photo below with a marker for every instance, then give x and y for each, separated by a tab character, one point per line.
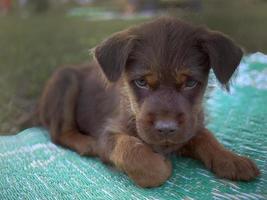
166	127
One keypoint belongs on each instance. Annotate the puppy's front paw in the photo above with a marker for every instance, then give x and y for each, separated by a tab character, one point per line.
145	167
234	167
152	171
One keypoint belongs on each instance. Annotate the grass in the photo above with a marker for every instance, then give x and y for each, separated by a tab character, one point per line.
31	48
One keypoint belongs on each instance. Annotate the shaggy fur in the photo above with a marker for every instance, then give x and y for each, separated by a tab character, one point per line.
141	99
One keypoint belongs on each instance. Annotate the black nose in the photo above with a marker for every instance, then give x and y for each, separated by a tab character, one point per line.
166	127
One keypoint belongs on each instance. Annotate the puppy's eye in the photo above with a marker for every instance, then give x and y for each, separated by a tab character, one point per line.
190	83
141	83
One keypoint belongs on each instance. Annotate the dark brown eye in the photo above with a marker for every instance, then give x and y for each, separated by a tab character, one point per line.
141	83
190	84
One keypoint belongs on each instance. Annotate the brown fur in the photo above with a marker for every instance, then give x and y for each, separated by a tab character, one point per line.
148	103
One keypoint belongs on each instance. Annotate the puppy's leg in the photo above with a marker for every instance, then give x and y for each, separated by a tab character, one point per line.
57	112
136	159
222	162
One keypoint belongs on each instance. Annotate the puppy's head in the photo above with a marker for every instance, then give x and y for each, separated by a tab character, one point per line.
164	65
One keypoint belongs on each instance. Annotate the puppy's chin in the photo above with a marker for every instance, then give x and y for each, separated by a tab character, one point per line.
166	146
167	149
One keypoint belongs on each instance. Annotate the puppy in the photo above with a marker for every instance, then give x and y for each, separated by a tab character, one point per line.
142	99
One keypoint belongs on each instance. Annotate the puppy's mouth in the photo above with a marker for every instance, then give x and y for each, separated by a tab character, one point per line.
160	143
165	142
175	139
168	142
166	146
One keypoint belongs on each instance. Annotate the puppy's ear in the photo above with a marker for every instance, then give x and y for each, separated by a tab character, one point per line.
224	55
112	54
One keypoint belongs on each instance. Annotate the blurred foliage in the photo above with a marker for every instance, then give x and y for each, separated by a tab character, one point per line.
243	20
32	46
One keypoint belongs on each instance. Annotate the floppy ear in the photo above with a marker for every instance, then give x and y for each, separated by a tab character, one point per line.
224	55
112	54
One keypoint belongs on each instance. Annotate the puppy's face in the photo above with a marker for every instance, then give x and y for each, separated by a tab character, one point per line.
164	65
166	96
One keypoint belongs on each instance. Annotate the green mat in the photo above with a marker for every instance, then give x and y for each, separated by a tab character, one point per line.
31	167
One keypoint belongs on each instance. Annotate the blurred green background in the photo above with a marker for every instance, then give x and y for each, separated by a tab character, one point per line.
37	36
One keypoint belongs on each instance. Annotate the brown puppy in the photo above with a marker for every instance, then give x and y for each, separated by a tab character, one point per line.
142	98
